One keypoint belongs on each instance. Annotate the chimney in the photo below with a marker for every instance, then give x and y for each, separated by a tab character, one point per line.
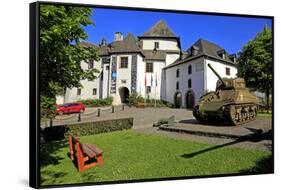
118	36
103	42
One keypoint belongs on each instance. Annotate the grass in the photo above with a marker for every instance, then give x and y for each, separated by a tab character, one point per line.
264	114
134	156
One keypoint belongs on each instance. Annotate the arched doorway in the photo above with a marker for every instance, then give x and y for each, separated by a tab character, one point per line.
189	99
178	99
124	94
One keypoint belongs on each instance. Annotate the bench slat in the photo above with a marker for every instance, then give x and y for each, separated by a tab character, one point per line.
95	149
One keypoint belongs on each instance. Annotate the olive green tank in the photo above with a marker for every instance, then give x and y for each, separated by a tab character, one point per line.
231	103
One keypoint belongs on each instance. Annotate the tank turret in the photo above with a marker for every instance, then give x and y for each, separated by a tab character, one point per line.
231	103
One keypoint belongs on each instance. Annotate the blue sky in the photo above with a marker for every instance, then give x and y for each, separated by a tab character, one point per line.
230	33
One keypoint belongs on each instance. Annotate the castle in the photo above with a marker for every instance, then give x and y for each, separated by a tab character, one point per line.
154	66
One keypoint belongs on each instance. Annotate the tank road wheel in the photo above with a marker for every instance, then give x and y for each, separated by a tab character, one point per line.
197	115
235	115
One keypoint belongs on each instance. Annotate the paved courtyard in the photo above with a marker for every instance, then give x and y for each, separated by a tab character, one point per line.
145	117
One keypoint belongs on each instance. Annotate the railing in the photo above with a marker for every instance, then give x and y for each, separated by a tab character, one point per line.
78	117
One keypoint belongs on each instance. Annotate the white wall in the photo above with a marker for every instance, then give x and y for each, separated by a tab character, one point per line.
157	71
88	86
122	74
140	76
220	69
197	77
164	44
170	58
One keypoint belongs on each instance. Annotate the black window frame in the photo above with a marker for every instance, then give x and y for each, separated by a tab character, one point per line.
189	83
227	71
91	64
147	68
122	63
156	45
177	85
79	91
148	89
94	92
178	73
189	69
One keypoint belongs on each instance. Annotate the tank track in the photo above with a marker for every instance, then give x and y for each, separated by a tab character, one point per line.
238	114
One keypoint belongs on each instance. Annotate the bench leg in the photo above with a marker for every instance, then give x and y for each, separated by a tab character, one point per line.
100	160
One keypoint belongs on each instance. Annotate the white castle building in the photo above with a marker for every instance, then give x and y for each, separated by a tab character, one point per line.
154	66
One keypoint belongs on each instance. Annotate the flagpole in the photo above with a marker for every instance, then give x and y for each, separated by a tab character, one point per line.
155	90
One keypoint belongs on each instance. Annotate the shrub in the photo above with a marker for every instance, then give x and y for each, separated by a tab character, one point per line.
97	102
92	128
135	98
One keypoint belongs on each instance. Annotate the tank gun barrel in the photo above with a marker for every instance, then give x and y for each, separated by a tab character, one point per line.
209	65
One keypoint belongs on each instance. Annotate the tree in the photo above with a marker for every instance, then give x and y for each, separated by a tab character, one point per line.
61	30
255	63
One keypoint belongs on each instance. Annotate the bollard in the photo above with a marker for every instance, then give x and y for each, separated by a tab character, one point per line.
112	109
51	122
79	117
99	112
123	107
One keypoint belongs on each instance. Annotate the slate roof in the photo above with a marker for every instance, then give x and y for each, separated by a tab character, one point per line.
160	29
159	55
205	48
129	44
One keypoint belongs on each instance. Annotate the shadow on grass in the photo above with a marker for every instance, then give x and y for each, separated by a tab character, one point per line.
49	152
262	166
256	137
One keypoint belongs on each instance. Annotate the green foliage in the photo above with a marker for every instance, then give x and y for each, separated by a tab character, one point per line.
135	98
255	62
61	30
133	156
47	107
99	127
97	102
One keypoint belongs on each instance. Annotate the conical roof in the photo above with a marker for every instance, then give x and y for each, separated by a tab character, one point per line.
160	29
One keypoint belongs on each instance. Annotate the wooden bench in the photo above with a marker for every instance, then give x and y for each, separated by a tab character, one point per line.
141	105
86	155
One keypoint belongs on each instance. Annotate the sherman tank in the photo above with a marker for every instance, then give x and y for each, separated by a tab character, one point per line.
231	103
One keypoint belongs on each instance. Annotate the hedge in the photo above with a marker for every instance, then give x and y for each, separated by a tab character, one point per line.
105	126
97	102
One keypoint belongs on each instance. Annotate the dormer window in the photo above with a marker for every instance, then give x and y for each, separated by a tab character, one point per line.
194	50
156	45
221	53
233	58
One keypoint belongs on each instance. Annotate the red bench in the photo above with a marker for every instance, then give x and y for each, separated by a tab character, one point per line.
86	155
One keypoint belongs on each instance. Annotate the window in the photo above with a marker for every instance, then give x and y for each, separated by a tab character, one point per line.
91	64
178	73
149	67
124	62
78	91
178	86
148	89
227	71
189	83
94	91
156	45
189	69
107	67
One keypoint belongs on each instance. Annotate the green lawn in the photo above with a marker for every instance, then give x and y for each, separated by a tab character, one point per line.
131	156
